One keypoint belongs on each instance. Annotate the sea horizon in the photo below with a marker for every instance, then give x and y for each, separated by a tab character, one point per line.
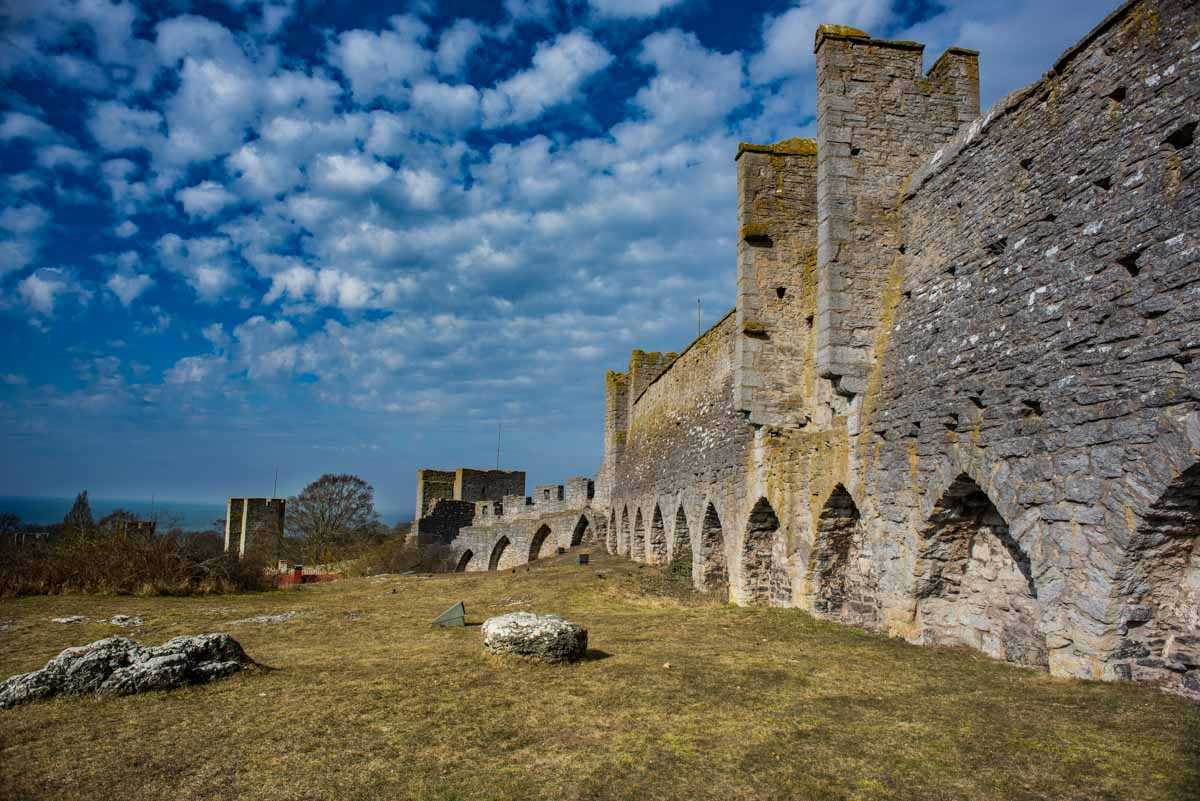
188	515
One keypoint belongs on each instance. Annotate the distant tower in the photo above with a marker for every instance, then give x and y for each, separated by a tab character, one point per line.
254	526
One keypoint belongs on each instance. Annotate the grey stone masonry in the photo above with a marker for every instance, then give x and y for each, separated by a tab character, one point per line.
989	433
254	526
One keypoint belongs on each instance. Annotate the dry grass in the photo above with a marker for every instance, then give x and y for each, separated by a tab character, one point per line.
365	701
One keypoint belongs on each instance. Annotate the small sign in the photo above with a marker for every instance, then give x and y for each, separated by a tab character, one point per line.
583	558
454	616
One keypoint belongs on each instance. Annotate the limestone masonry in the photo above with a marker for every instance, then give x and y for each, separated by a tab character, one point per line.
254	525
958	397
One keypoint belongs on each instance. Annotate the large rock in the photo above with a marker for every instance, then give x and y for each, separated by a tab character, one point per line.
545	637
120	666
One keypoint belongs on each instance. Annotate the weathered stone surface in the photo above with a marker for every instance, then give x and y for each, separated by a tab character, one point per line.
265	620
69	619
125	621
120	666
545	637
958	398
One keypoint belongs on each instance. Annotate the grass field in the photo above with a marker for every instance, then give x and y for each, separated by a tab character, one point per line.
363	700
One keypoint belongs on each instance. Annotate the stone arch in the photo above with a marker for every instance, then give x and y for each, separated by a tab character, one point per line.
844	579
637	548
760	579
1161	620
714	571
581	532
539	540
464	561
623	539
974	583
656	541
498	553
610	541
681	539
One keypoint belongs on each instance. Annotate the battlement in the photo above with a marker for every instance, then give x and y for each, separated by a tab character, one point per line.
576	493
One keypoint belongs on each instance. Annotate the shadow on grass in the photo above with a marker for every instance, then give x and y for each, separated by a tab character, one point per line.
594	655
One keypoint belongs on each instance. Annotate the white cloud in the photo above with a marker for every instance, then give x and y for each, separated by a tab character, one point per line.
446	107
23	220
695	88
382	64
351	173
127	287
456	45
52	156
631	8
118	127
42	289
788	37
13	379
16	125
215	333
196	370
205	199
205	263
126	229
558	71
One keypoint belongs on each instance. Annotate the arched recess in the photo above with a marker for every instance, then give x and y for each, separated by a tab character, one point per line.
581	532
623	539
656	543
760	579
610	541
844	579
1162	603
714	572
463	561
538	542
494	563
974	585
637	549
681	540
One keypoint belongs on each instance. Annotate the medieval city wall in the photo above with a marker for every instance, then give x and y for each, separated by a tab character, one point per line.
989	434
1045	330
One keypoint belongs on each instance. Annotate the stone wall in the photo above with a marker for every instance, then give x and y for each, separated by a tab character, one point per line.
487	485
990	433
432	485
254	527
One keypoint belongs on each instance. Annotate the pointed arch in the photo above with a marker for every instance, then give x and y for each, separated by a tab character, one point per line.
464	561
714	570
656	540
761	579
637	548
581	532
610	541
843	576
974	585
682	554
623	539
498	554
1162	605
539	540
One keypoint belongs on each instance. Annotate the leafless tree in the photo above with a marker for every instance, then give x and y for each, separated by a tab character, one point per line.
333	510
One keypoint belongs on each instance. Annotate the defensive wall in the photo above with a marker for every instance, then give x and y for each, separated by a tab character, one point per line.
254	526
446	499
958	398
519	529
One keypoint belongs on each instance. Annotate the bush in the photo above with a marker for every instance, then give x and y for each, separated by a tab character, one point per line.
171	564
394	555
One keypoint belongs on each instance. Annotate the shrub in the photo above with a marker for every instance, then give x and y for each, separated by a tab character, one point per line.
171	564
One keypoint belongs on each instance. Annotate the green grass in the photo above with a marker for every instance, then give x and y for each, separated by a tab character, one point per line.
364	700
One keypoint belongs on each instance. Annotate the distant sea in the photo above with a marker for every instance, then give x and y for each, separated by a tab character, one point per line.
189	516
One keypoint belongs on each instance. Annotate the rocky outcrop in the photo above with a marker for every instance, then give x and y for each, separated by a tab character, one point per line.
545	637
119	666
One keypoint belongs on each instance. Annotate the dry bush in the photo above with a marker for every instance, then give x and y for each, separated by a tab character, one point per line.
394	555
163	565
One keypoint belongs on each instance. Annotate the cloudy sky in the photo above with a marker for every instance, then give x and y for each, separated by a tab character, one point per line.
348	236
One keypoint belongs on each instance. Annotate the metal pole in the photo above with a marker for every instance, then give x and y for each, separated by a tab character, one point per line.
275	486
699	330
499	429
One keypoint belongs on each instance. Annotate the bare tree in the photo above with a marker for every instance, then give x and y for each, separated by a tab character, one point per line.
333	510
79	525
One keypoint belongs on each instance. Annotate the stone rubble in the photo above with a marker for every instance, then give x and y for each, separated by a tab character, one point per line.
118	666
548	638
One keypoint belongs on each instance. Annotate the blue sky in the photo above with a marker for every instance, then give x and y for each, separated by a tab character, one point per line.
353	237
